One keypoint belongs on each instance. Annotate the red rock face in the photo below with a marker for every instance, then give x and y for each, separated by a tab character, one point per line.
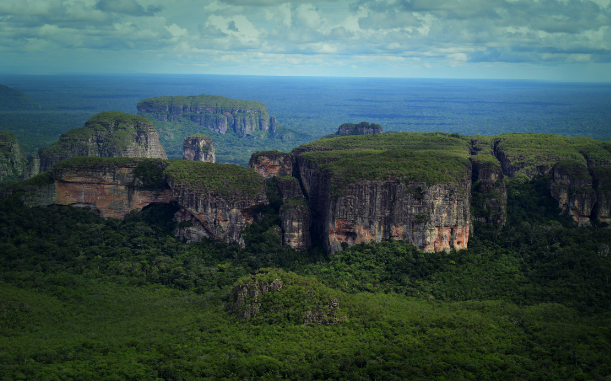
104	189
108	191
272	164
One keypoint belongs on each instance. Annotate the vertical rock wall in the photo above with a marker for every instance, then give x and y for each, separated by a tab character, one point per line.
199	147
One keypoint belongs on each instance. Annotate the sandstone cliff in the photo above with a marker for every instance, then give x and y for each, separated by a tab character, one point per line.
362	128
107	134
216	113
374	187
489	195
216	200
13	163
199	147
294	214
576	166
272	163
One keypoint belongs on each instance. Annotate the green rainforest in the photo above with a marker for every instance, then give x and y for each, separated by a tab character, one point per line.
83	298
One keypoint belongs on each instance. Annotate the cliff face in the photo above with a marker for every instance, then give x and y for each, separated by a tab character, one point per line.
489	195
108	134
213	112
272	163
362	128
577	168
199	147
213	204
572	186
106	189
13	163
294	214
359	196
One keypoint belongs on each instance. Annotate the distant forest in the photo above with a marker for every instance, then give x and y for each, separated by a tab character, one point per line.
317	106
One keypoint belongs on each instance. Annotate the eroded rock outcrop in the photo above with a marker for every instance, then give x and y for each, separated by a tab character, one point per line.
576	166
362	128
199	147
213	112
272	163
572	186
215	201
294	214
107	134
274	296
489	195
361	195
13	163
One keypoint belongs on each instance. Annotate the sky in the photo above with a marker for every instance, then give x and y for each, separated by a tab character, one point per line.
559	40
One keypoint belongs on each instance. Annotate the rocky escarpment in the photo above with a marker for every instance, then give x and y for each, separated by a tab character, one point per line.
199	147
294	214
13	163
275	296
375	187
107	134
577	168
272	163
216	113
488	195
362	128
215	200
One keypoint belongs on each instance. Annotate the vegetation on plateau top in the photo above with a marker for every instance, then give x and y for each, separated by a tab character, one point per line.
202	101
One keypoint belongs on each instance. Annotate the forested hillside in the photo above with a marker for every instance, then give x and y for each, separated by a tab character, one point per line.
87	298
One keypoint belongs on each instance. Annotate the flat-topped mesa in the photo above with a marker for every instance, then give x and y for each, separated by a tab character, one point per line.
362	128
215	201
577	167
13	163
199	147
107	134
408	186
272	163
213	112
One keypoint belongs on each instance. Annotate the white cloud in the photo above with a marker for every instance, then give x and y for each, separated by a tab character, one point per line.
176	31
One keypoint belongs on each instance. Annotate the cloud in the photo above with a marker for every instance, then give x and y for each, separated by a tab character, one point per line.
270	2
128	7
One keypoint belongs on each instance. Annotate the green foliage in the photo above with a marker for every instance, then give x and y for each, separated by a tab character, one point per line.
91	161
546	149
229	147
486	161
225	180
44	178
149	174
298	297
11	99
93	298
430	167
117	129
203	101
118	118
575	169
413	141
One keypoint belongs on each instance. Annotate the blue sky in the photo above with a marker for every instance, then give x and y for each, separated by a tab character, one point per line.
514	39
